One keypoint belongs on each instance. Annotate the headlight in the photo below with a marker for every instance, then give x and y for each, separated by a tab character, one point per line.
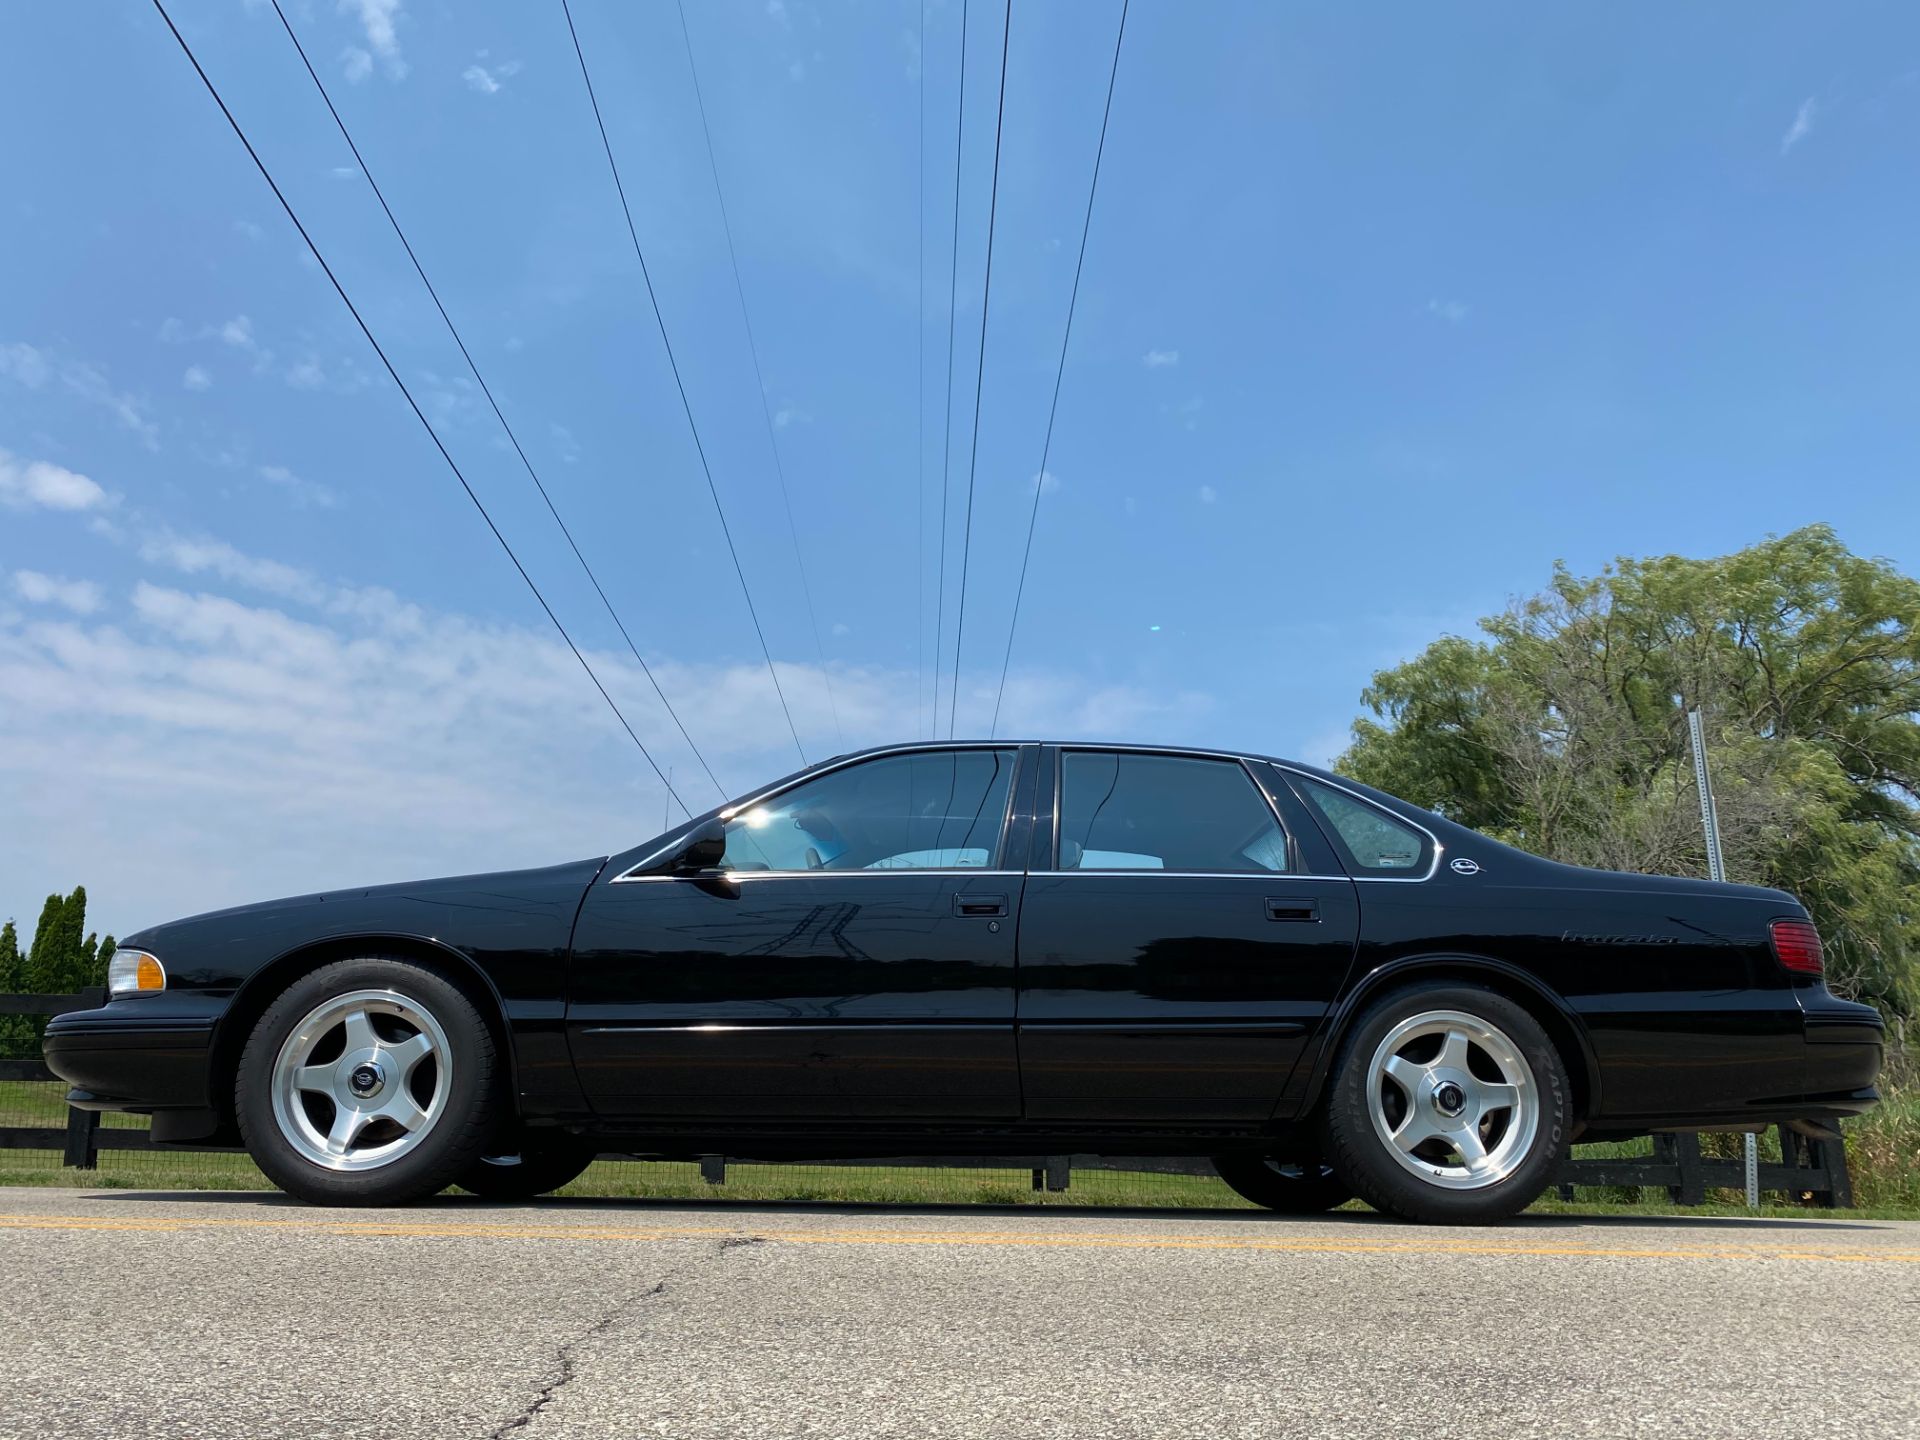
135	972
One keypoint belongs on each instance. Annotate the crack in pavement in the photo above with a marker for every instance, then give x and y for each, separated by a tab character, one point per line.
568	1369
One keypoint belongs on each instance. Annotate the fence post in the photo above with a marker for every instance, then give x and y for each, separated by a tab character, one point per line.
82	1127
1692	1189
713	1169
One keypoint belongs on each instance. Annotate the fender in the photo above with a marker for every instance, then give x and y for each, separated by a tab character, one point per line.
1555	1015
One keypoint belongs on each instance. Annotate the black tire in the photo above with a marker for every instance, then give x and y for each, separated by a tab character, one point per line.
1375	1168
467	1097
1303	1186
540	1167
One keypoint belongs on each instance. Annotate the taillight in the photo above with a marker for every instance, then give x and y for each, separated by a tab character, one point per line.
1797	944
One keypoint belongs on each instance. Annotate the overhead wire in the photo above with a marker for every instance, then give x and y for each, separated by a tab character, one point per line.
1046	449
759	380
700	448
487	391
946	444
980	372
920	354
407	394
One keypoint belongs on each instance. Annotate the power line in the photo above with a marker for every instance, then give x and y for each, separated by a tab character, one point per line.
946	444
766	414
679	384
979	375
1033	514
920	351
413	404
487	391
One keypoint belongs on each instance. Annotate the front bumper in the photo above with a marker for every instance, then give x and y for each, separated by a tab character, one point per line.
127	1056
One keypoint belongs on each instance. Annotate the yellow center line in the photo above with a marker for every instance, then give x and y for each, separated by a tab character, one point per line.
1302	1245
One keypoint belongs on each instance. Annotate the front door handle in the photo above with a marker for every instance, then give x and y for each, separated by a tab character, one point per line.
980	907
1287	908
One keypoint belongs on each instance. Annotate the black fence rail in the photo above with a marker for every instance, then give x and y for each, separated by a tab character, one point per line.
1812	1168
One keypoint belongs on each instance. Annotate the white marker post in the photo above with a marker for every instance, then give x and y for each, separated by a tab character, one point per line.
1717	870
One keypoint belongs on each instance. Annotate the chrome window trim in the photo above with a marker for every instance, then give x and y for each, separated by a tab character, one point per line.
1438	848
1060	752
827	767
809	875
1266	877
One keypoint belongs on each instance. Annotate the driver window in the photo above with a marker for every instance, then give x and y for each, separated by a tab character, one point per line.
1123	811
939	810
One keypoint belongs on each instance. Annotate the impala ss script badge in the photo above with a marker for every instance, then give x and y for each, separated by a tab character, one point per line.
1464	866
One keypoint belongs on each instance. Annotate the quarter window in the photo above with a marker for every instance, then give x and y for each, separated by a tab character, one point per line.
1374	841
1123	811
939	810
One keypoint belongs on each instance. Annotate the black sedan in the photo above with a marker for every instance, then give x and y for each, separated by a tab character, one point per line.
989	948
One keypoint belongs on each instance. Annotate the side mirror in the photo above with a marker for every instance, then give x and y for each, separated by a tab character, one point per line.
699	849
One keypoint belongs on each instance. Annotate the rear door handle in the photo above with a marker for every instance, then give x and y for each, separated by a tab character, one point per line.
980	906
1286	908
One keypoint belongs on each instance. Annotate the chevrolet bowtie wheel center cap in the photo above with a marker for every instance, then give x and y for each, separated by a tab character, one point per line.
1449	1099
367	1080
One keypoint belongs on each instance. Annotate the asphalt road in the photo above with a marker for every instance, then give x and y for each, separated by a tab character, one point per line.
131	1315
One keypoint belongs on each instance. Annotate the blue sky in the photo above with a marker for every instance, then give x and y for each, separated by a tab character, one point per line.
1382	314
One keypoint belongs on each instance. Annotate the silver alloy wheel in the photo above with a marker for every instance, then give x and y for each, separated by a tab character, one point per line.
1453	1099
362	1080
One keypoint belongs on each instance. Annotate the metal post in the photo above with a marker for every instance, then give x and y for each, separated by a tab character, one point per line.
1717	870
1709	818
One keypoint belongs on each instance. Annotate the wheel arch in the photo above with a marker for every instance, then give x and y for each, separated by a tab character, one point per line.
1525	989
260	989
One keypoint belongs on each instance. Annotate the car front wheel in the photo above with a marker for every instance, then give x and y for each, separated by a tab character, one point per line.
1448	1106
367	1082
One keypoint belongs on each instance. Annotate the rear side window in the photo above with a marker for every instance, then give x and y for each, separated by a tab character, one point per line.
1374	842
1122	811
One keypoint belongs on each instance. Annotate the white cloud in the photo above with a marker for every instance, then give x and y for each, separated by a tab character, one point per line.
1208	495
345	172
1452	311
356	64
790	414
1802	125
1046	480
247	229
323	737
377	19
479	79
564	444
80	596
206	556
301	492
1160	359
197	378
39	485
33	367
21	362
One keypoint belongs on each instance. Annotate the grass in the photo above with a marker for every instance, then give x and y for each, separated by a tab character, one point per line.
1883	1151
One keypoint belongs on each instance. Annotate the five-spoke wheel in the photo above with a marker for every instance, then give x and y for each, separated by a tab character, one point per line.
1447	1102
362	1080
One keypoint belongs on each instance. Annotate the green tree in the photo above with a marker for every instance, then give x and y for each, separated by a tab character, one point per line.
14	1029
65	956
1564	731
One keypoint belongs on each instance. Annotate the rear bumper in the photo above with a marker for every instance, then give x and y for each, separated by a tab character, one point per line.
143	1063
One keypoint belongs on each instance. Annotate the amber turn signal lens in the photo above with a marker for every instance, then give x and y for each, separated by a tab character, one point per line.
135	972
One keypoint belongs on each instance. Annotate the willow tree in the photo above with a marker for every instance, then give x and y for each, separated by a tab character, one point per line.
1563	730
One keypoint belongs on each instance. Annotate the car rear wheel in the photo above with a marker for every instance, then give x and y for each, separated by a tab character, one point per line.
537	1168
1300	1186
367	1082
1448	1106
